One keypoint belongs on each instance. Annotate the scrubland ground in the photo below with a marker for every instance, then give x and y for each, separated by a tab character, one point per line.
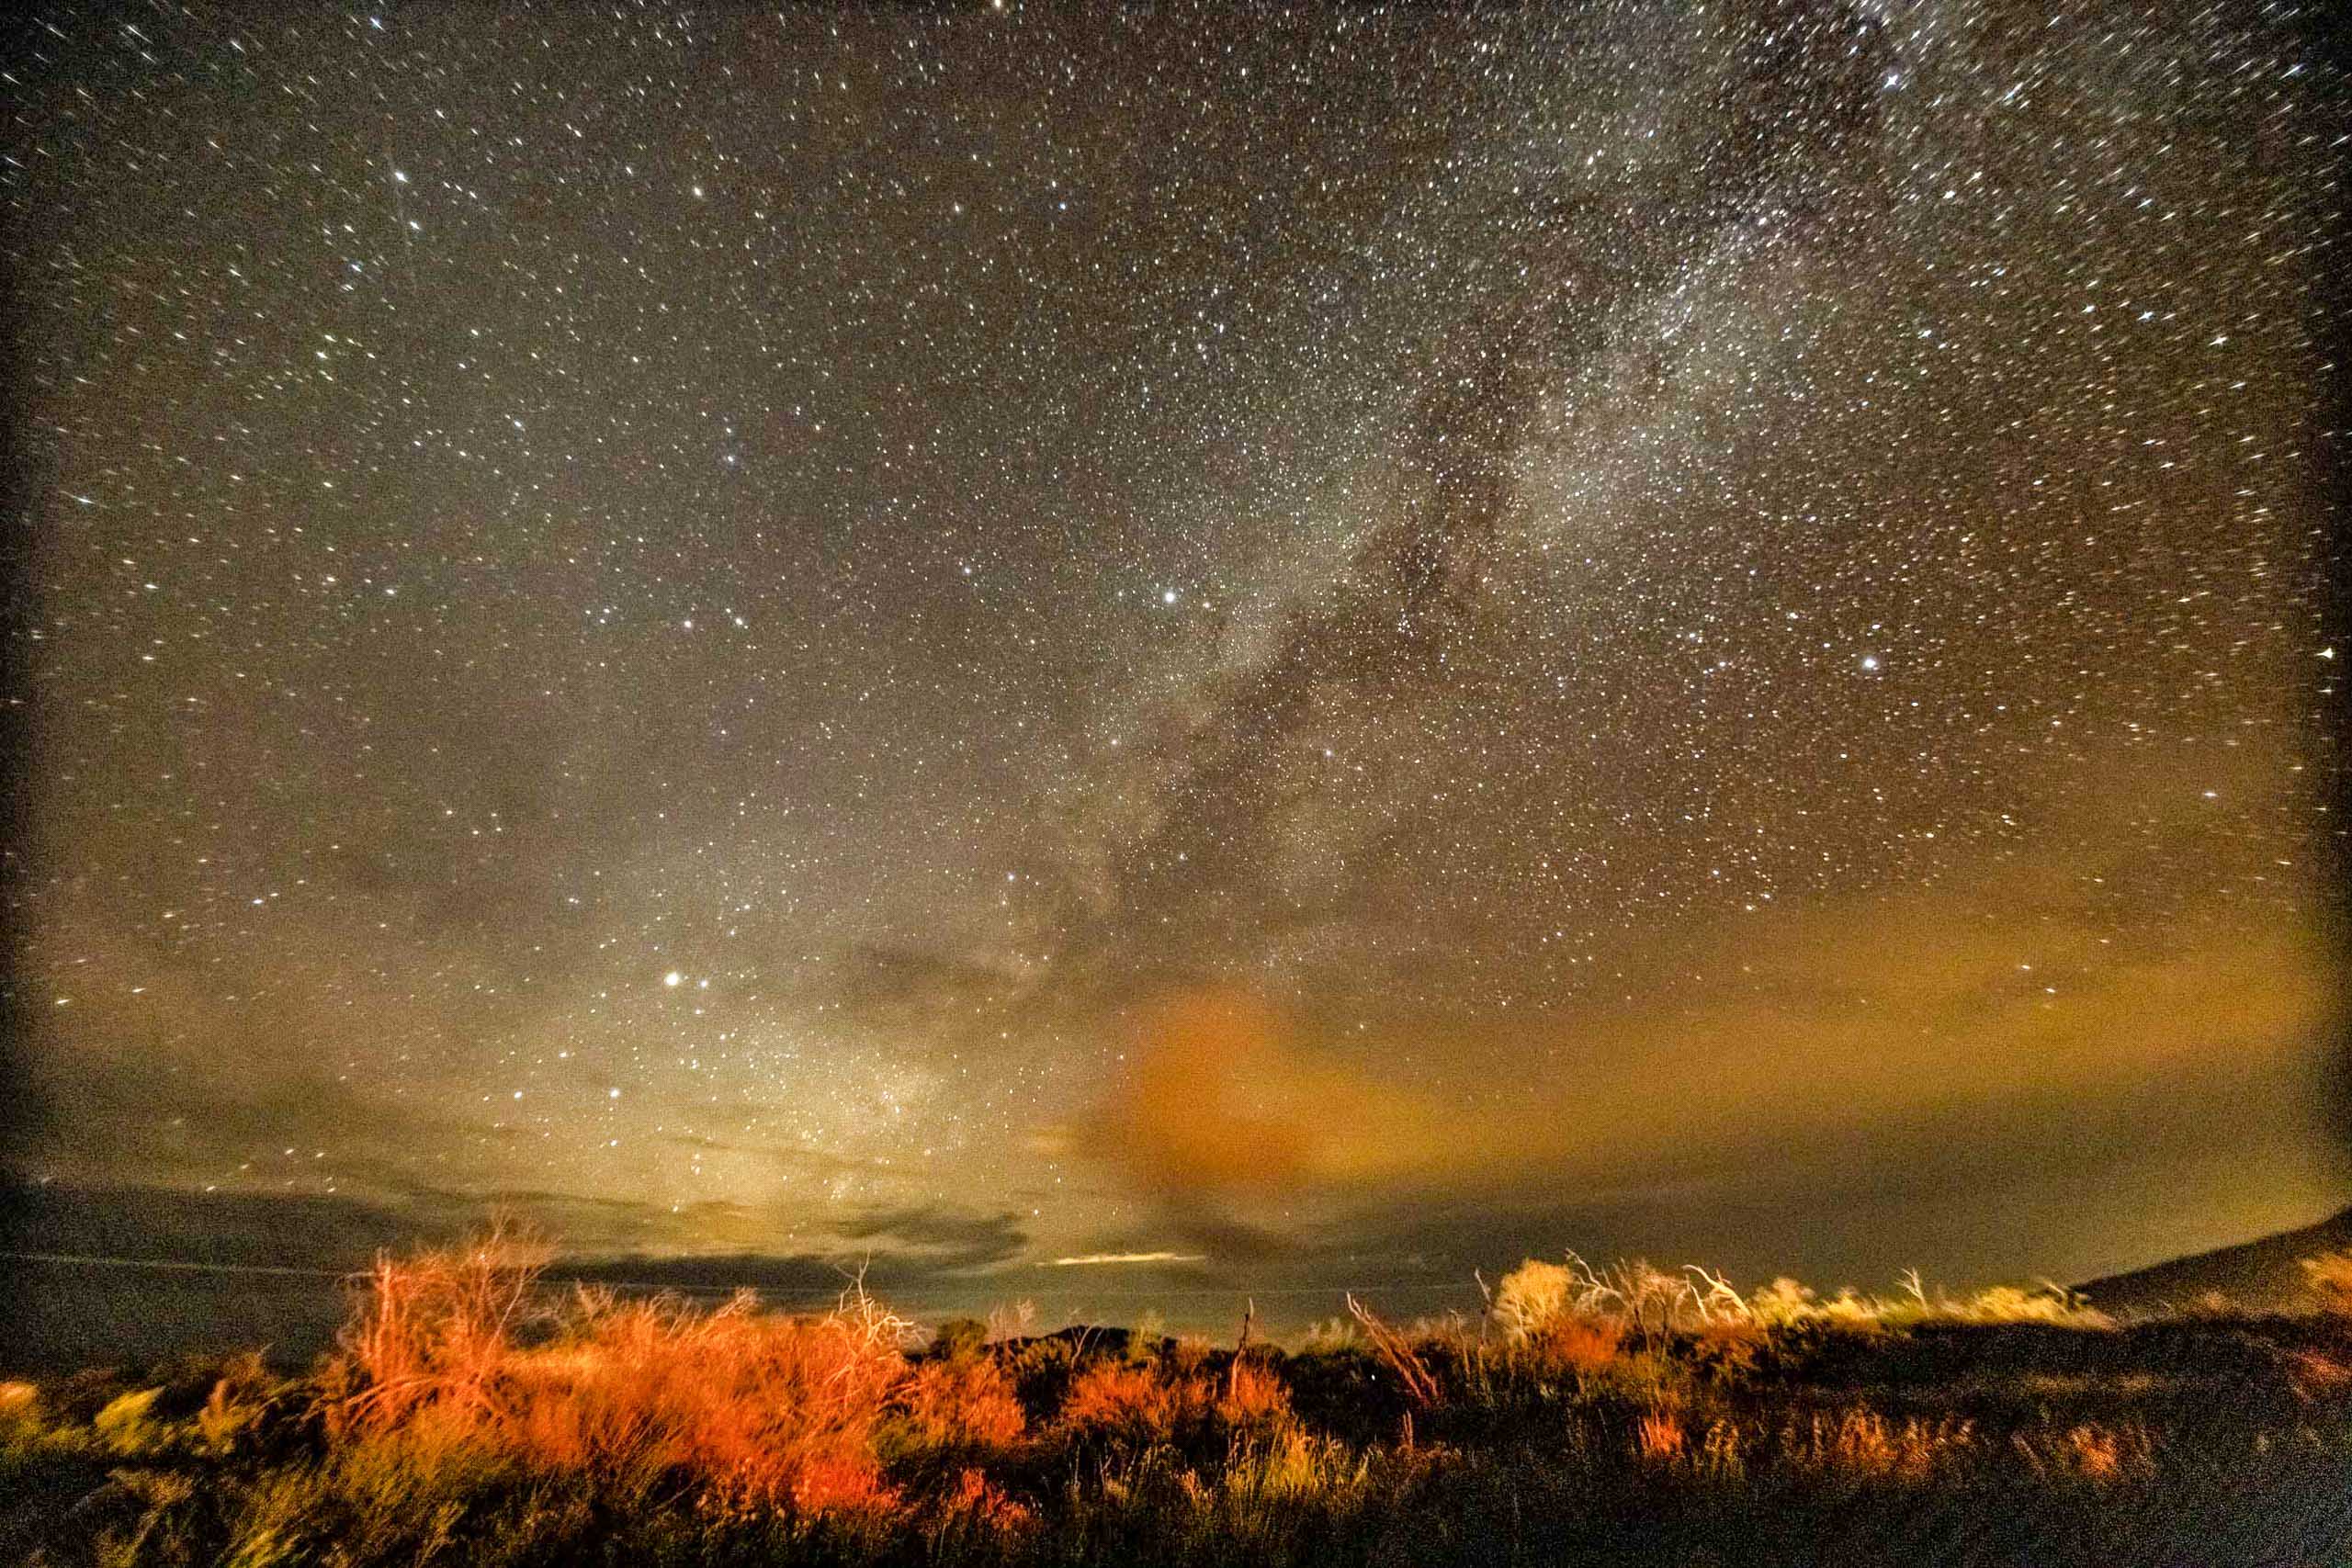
1621	1417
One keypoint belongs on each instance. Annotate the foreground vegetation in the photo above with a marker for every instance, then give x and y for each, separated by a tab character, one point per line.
1621	1417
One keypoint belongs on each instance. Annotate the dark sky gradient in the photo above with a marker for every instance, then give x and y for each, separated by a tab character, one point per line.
1338	646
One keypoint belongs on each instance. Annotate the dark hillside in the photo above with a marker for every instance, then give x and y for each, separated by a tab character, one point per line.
2264	1275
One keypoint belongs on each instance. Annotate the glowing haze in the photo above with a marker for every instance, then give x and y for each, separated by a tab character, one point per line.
1226	651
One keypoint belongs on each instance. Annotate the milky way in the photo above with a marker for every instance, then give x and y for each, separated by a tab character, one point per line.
1330	647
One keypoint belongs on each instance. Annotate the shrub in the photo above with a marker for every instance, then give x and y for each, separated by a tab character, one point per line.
1254	1397
1782	1302
1660	1438
978	1505
437	1328
1123	1399
1726	1351
128	1424
751	1407
959	1336
964	1401
2329	1279
1533	1296
2007	1303
21	1412
1582	1347
760	1407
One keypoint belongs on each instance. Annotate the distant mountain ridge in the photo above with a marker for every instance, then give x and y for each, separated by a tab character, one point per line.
2262	1275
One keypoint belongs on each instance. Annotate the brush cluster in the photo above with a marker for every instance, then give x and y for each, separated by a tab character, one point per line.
1614	1415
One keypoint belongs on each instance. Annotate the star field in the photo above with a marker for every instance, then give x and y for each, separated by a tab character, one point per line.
1185	632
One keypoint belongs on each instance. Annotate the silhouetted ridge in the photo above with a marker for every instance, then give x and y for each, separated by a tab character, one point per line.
2265	1274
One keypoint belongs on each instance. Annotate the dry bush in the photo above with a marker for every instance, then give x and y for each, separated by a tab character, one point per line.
2329	1279
1124	1399
762	1407
1188	1353
127	1425
2047	1302
1009	1321
1150	1403
1661	1439
1782	1304
1648	1302
1723	1450
2316	1374
20	1412
438	1327
1254	1397
1865	1443
1420	1384
758	1408
2098	1451
1532	1296
966	1400
978	1504
1332	1335
1785	1303
1869	1444
1582	1346
2089	1450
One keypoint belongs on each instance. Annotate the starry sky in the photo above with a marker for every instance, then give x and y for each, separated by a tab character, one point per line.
1174	649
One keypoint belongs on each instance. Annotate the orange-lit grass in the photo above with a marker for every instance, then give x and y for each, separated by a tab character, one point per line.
962	1400
751	1406
1254	1397
2090	1450
1128	1399
1577	1344
1661	1439
1144	1401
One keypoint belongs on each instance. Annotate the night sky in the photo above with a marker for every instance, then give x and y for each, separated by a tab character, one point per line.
1336	645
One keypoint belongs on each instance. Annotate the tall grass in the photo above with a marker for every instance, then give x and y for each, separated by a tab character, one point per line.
749	1406
472	1413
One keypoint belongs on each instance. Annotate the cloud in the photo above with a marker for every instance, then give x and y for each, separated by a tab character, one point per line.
2025	1025
946	1238
615	1239
1220	1100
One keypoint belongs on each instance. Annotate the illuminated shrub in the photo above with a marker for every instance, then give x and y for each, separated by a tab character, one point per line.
979	1505
751	1407
1869	1445
2007	1303
1583	1347
2315	1374
20	1412
1782	1302
1253	1397
964	1401
2329	1279
1661	1438
437	1328
128	1424
1123	1399
1532	1296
